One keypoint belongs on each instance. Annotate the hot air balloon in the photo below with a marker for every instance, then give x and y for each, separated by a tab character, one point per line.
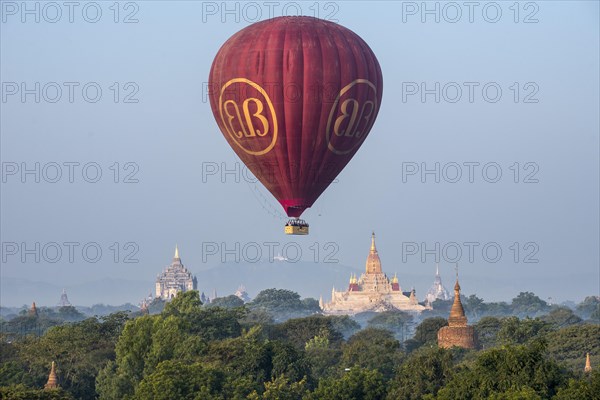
295	97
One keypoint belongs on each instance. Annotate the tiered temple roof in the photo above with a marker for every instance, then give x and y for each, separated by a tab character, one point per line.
174	279
372	291
457	333
64	300
437	290
52	379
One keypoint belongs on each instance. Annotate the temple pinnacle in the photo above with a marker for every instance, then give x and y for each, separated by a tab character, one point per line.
588	364
52	379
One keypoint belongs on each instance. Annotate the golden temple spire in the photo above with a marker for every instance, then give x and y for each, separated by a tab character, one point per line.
457	312
52	379
176	252
395	278
588	364
373	262
33	310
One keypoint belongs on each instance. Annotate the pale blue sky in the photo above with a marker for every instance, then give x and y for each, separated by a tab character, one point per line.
171	136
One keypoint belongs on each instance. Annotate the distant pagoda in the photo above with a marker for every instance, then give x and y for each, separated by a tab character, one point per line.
174	279
33	311
242	294
457	333
64	300
437	291
52	379
588	364
144	308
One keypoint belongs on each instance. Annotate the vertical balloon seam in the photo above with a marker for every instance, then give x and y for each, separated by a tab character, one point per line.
330	29
308	146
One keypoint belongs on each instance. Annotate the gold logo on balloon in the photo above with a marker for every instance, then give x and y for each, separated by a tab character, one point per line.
350	119
250	123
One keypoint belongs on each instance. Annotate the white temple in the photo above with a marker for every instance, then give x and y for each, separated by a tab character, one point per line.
242	294
373	291
437	290
174	279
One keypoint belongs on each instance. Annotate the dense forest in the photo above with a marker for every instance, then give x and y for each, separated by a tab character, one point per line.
279	346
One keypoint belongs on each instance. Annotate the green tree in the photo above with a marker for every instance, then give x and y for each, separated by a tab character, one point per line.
497	309
181	332
442	306
322	357
287	361
523	393
507	371
344	325
216	323
423	373
397	322
156	306
281	388
582	388
175	380
372	348
113	384
70	314
256	317
118	380
185	303
231	301
595	316
569	345
487	329
26	324
248	356
15	373
298	331
474	306
80	350
355	384
427	330
519	331
589	306
21	392
560	317
527	304
283	304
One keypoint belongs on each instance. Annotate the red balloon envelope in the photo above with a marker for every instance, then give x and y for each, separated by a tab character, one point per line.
295	97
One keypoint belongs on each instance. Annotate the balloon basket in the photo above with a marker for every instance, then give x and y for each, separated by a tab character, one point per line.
296	226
